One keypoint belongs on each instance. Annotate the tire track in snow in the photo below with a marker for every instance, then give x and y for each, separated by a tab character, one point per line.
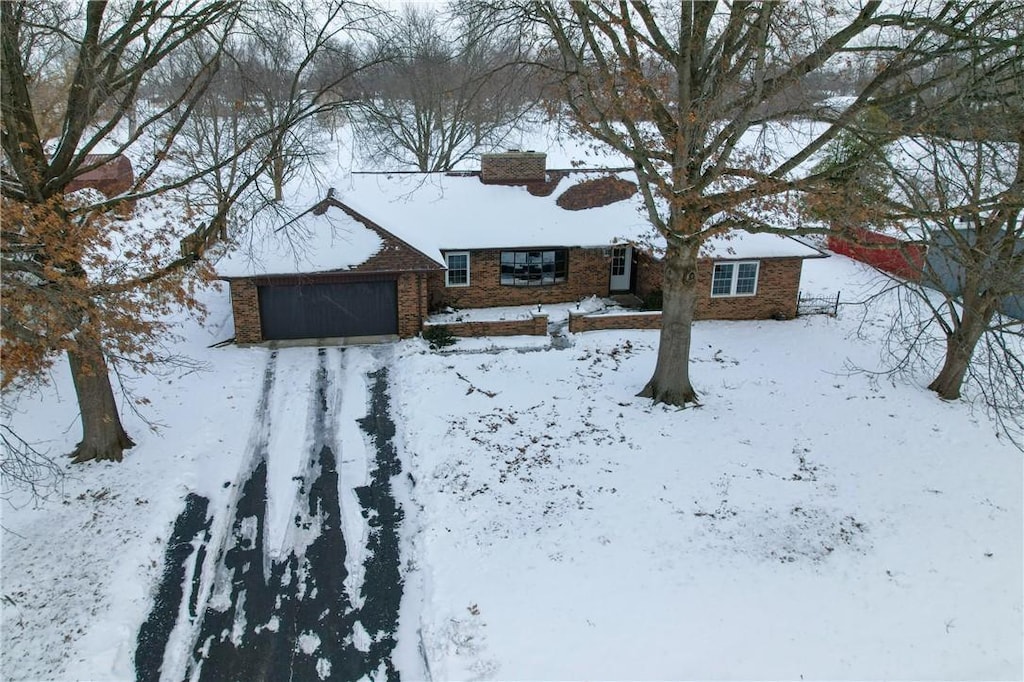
254	633
298	621
320	621
190	537
383	583
293	618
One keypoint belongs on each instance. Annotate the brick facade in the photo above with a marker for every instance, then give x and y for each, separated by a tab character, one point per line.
513	167
411	293
588	275
245	306
778	287
420	284
419	292
412	303
648	275
409	268
537	325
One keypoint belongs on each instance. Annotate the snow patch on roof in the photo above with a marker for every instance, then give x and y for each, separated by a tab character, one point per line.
311	243
739	245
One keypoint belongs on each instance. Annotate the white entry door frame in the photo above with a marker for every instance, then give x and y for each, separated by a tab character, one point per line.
621	268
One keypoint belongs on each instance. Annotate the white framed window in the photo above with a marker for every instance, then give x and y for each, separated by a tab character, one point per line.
457	274
734	279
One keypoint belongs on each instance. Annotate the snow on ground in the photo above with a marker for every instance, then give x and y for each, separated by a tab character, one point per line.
79	570
803	521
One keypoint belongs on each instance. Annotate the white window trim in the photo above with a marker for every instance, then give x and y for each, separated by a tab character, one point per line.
456	253
735	276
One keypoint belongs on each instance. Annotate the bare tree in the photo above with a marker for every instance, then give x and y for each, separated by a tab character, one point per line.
445	92
691	92
957	188
964	200
969	201
77	278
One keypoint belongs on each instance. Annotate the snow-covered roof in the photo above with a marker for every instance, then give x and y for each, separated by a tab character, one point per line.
738	245
309	243
436	212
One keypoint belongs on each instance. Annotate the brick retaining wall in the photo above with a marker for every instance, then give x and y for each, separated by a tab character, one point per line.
537	325
582	322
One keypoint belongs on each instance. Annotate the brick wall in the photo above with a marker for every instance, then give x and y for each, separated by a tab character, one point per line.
581	322
412	303
245	307
513	167
648	275
778	286
436	292
588	275
537	325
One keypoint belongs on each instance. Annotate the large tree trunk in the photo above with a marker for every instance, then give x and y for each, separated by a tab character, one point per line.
951	377
671	380
103	436
960	345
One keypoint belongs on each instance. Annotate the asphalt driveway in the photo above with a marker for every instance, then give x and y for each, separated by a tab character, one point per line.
291	615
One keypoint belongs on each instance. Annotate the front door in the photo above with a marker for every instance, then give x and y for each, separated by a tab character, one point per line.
622	261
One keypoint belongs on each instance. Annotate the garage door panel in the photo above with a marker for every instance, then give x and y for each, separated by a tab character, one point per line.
304	311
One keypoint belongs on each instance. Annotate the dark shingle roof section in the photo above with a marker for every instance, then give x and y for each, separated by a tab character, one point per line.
113	175
596	193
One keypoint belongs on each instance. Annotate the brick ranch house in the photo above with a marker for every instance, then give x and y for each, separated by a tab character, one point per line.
375	262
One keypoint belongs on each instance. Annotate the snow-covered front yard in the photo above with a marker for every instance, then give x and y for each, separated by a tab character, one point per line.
806	521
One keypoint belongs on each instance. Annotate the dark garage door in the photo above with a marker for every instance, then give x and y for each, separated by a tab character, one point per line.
309	311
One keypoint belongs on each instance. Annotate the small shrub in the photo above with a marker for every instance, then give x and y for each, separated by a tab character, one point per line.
653	300
438	336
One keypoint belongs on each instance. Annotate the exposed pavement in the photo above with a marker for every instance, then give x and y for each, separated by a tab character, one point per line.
292	617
